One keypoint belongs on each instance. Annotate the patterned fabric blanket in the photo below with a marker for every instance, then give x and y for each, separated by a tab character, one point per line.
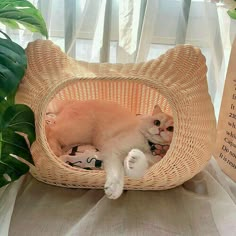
85	156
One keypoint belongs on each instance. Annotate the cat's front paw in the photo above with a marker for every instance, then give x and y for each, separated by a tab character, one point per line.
114	188
135	164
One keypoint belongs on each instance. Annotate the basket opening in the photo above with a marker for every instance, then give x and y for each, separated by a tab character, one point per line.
136	97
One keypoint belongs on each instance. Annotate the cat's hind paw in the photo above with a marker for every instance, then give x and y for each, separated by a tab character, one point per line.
114	188
135	164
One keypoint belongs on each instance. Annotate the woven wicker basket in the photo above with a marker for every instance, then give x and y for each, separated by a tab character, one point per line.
176	81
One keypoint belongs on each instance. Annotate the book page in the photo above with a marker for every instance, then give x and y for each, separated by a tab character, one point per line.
226	130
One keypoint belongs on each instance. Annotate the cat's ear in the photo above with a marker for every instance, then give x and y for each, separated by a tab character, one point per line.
156	110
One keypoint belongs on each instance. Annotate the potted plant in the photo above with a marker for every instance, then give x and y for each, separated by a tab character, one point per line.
17	130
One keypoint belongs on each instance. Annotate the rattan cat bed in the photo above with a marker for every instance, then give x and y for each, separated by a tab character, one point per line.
176	81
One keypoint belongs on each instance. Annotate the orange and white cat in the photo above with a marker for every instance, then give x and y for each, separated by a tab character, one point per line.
121	137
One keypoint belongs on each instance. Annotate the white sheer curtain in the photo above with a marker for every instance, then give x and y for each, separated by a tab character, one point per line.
137	30
121	31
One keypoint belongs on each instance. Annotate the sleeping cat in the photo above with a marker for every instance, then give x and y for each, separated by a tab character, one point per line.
122	138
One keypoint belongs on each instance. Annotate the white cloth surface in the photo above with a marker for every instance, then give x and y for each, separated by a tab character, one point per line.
205	205
7	199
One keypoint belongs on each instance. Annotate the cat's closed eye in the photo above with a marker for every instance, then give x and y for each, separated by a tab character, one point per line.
170	128
157	122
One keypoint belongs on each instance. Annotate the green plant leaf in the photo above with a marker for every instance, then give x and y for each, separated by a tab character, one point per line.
232	13
6	36
14	13
3	106
19	118
13	64
15	119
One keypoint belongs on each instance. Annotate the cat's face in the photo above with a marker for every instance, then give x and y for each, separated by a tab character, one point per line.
158	128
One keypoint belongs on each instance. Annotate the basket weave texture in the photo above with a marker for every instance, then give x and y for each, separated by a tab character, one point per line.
176	81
